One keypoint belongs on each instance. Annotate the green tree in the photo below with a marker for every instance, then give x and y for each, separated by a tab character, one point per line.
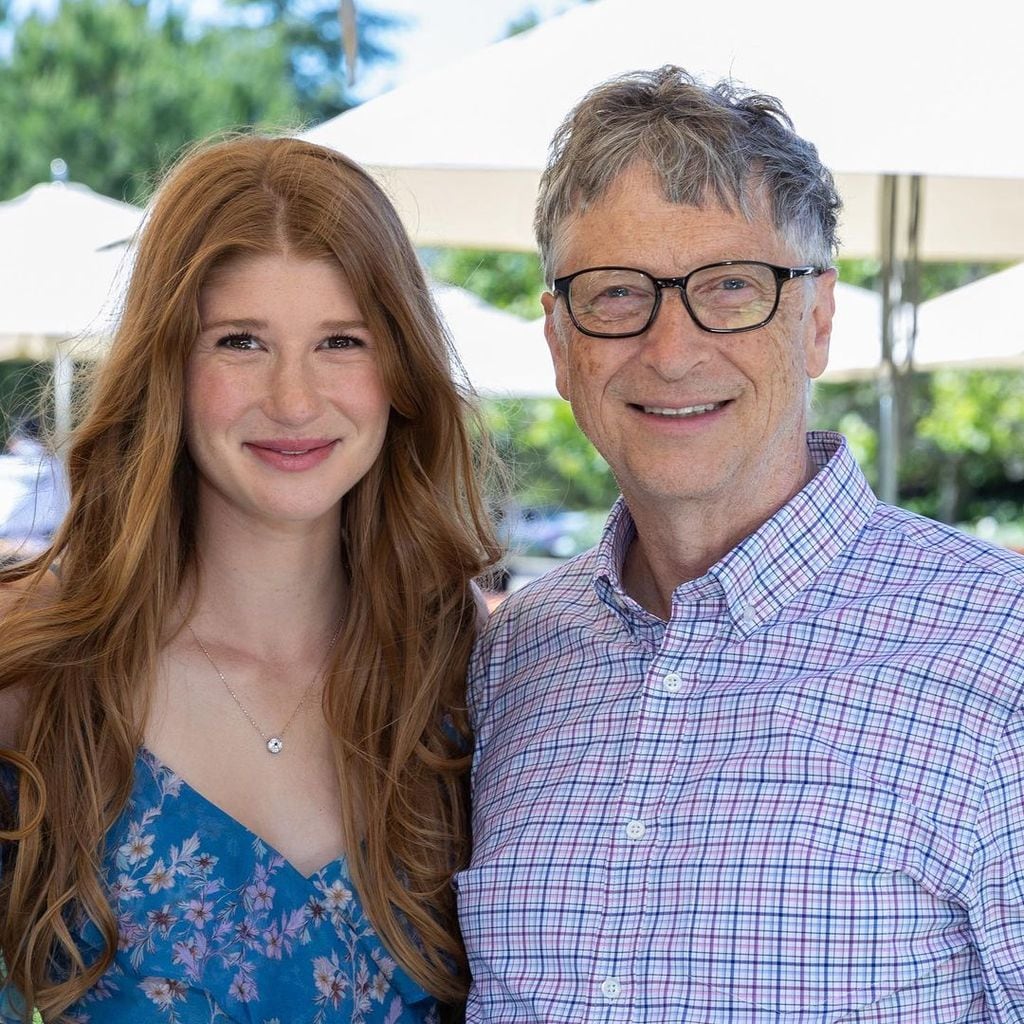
311	33
509	280
934	278
117	89
550	460
974	430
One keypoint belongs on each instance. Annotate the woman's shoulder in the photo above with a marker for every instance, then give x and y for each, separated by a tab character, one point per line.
16	595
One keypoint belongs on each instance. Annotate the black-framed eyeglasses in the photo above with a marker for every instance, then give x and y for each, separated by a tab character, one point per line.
727	297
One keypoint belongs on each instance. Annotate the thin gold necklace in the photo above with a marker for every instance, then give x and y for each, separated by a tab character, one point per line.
275	743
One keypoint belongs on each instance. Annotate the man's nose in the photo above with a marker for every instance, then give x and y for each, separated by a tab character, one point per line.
674	344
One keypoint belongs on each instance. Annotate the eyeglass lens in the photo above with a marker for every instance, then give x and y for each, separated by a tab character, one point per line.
721	298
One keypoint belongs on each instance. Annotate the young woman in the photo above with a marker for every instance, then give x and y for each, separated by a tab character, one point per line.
232	687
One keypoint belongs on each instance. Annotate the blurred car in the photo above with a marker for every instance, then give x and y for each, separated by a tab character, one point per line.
548	532
33	500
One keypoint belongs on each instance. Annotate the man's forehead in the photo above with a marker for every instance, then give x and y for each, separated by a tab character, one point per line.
635	217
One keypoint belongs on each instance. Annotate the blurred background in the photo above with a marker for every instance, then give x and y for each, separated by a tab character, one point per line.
456	99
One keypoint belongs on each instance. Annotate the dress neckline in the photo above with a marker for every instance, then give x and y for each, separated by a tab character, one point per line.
157	763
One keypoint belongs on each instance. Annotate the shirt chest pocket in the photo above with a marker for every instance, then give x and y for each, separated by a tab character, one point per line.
824	893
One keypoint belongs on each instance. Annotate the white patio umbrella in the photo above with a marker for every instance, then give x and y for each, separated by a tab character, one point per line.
978	326
856	334
912	109
62	248
881	88
503	355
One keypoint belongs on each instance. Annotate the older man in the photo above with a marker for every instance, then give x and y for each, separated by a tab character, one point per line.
759	755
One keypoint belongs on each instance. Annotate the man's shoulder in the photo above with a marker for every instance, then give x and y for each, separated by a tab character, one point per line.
558	590
537	631
936	544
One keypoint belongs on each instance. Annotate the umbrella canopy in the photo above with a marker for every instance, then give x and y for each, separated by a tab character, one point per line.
856	334
60	260
976	326
880	88
503	355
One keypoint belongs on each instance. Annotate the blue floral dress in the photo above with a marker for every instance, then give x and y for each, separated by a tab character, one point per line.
215	926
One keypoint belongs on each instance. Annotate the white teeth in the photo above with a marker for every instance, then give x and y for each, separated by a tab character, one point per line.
688	410
285	452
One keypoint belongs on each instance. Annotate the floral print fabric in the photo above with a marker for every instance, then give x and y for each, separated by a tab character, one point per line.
215	926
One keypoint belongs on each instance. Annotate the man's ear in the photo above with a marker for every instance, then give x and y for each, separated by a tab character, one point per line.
556	344
819	334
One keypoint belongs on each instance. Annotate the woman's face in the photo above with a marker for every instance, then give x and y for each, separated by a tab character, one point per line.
285	407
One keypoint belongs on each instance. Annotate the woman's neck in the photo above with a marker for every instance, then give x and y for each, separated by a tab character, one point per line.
266	587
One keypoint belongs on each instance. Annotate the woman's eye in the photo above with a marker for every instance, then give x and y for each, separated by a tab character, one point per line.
242	342
343	341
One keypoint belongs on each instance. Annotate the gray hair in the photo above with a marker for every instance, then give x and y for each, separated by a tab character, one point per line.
719	143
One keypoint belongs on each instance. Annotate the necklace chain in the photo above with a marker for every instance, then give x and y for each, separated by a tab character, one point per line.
275	743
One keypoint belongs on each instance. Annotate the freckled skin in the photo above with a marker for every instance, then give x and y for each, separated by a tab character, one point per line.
284	353
695	486
749	457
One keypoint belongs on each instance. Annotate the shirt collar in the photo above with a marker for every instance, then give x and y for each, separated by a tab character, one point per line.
767	569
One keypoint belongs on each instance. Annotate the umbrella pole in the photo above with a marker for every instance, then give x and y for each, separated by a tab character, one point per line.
888	410
899	273
63	380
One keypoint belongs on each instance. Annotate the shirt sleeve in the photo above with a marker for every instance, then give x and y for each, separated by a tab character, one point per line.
480	665
997	914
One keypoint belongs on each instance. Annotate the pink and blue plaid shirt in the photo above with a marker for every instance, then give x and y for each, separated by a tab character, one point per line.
800	800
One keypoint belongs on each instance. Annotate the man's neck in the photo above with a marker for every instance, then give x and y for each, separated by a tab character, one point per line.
679	542
663	556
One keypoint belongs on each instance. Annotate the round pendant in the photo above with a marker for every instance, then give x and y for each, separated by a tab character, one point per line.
275	744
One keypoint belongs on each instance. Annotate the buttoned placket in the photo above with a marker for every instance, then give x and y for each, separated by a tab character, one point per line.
673	653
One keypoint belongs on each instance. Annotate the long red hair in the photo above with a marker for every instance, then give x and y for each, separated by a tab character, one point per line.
415	534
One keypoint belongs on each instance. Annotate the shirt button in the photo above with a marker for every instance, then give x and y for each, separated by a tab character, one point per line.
636	830
673	681
748	616
611	988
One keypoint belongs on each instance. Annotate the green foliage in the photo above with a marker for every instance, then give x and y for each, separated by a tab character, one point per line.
23	392
935	278
508	280
117	90
550	460
975	427
310	31
962	432
962	459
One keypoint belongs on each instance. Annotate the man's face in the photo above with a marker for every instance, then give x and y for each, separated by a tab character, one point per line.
681	414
